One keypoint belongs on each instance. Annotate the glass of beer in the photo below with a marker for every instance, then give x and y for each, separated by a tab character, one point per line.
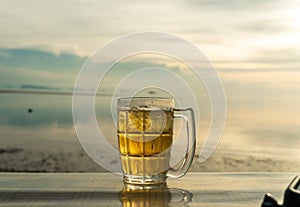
145	137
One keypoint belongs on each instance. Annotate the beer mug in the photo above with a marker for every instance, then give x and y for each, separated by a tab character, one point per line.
145	137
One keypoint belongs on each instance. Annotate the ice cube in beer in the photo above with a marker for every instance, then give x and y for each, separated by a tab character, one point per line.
139	119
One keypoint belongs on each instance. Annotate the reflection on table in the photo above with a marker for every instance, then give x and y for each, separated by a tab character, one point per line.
155	195
106	189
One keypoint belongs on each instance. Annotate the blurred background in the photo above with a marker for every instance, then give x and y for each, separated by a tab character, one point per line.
254	46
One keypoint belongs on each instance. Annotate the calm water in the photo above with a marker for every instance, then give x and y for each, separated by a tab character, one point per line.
42	122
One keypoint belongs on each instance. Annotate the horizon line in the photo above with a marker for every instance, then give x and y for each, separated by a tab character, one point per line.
49	92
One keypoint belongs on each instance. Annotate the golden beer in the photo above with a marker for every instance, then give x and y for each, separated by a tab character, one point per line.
145	139
145	136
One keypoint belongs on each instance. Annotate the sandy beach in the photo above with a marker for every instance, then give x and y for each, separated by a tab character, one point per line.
24	160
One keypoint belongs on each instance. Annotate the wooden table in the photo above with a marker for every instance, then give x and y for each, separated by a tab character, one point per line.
105	189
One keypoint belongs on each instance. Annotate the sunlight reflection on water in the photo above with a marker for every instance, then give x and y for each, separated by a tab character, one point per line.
50	125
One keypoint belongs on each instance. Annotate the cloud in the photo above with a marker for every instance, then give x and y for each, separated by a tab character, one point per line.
263	25
233	4
24	66
263	60
280	55
90	24
40	60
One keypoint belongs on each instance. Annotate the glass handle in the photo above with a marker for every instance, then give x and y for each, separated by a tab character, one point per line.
191	143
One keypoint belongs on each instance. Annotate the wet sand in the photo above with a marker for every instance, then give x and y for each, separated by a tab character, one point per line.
28	160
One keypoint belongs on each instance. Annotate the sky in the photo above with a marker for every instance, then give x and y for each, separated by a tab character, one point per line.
254	46
253	37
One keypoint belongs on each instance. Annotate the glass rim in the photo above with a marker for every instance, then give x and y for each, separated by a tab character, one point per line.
150	102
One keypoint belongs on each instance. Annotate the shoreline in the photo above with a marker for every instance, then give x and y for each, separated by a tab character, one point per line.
28	160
